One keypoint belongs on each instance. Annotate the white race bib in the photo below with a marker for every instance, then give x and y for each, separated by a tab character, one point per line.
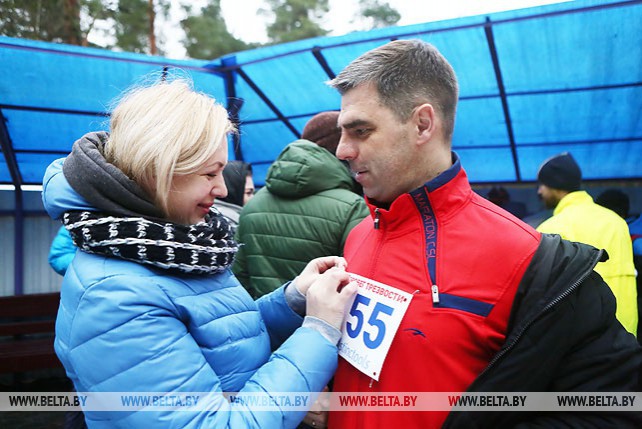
371	324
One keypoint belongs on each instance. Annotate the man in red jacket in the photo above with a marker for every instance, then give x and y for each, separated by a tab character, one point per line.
493	304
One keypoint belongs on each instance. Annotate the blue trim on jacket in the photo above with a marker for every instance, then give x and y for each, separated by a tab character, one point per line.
422	200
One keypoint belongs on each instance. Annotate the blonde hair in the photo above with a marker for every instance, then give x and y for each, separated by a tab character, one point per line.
163	130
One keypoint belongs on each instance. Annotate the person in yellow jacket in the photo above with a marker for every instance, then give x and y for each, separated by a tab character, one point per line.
577	217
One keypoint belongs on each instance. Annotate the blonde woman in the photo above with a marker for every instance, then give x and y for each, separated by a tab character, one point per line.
149	303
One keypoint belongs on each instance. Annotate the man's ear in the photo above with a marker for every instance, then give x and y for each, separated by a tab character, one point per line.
426	121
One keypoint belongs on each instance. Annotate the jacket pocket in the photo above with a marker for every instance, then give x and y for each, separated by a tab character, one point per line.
455	302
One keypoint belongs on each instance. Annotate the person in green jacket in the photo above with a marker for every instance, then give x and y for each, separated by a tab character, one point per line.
306	209
577	217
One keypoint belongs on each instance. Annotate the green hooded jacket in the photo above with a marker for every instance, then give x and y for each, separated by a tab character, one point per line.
306	210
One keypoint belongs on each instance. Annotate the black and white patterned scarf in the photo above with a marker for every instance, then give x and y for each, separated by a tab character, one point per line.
204	248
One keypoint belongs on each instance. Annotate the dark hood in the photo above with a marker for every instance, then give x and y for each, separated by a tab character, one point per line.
102	184
234	174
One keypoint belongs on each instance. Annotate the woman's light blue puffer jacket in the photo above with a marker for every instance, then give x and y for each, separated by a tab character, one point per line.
128	327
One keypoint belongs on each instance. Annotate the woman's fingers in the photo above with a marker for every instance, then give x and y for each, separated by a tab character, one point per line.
328	297
316	267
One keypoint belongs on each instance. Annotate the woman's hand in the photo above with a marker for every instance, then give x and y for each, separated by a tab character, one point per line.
329	296
314	269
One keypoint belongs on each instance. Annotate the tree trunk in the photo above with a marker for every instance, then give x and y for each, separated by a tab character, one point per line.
71	26
152	36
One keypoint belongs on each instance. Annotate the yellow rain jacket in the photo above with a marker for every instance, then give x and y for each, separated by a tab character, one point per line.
578	218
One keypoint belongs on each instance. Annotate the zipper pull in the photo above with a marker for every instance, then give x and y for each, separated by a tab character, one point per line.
435	294
376	219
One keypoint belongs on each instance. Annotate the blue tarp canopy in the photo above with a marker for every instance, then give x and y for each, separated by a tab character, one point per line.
533	83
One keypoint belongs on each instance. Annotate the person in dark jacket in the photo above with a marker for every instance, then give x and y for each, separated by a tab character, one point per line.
616	200
307	208
149	303
240	189
500	196
493	305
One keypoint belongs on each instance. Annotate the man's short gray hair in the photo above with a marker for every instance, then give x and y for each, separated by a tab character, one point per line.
406	73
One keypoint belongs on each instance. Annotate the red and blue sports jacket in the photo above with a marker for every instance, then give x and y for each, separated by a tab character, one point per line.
465	259
441	240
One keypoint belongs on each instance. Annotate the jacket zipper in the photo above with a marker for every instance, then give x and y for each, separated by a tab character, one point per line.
377	221
435	294
550	305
